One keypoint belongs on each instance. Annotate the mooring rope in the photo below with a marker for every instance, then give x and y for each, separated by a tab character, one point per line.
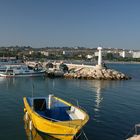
85	135
78	135
82	132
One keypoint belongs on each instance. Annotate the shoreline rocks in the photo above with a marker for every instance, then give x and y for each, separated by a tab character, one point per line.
96	73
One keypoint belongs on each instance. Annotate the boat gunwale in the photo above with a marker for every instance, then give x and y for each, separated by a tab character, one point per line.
58	122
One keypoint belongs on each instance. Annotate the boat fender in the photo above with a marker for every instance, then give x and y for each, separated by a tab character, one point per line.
25	110
30	125
50	101
26	116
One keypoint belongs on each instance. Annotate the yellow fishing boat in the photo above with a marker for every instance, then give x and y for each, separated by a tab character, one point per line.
54	116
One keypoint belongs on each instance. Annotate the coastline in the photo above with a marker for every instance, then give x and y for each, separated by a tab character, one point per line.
82	62
117	62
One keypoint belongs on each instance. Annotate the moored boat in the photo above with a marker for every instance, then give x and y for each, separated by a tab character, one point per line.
54	116
53	72
21	71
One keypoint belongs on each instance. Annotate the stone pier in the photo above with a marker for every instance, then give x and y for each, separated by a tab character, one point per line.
93	72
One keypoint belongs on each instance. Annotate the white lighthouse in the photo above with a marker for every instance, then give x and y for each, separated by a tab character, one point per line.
100	56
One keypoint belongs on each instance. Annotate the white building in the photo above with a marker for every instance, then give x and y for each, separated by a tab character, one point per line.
45	53
89	56
70	52
125	54
104	53
136	54
30	52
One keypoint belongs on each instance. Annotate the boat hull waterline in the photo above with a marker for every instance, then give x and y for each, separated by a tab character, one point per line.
34	74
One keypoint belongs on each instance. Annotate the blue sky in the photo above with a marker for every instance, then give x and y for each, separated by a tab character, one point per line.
87	23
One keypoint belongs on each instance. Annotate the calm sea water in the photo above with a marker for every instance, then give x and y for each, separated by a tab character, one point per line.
113	106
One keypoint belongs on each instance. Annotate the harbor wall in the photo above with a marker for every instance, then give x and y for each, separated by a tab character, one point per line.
78	71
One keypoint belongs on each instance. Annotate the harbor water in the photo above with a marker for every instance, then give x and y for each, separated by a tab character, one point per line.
113	106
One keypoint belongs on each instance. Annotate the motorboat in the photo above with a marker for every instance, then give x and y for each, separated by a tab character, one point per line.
21	71
54	72
54	116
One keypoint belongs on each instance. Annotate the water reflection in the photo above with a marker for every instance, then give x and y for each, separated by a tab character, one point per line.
7	80
99	87
2	79
98	98
18	81
34	134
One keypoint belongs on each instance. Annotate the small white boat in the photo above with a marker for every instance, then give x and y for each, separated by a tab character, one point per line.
54	72
22	71
136	136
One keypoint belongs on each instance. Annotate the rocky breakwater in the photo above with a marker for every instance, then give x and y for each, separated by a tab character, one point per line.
96	73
